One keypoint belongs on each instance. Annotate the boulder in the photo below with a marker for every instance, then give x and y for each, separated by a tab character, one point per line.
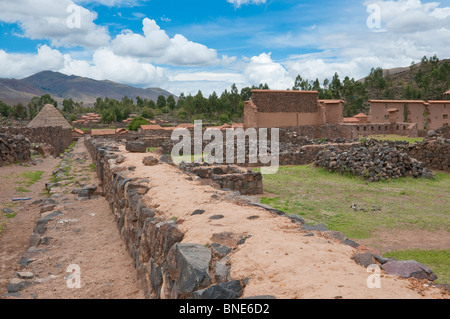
136	147
150	161
408	268
188	266
227	290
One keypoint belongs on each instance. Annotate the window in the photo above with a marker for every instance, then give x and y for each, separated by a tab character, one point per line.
445	116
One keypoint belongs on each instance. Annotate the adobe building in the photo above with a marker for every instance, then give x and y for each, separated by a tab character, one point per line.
428	115
283	109
49	116
309	116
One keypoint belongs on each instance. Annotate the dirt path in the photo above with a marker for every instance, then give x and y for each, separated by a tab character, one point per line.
15	237
85	235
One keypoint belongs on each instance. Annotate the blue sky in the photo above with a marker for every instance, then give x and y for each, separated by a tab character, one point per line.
184	46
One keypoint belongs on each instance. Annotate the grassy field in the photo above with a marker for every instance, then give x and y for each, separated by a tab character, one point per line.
393	137
323	197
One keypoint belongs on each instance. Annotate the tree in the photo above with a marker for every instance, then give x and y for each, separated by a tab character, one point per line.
19	111
171	104
68	106
161	102
148	113
136	123
5	110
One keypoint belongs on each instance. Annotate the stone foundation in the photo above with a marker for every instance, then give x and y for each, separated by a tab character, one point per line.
232	177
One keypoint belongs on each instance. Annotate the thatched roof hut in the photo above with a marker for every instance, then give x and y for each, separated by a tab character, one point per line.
49	116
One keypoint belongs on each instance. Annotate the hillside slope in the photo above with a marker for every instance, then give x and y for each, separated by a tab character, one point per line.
79	89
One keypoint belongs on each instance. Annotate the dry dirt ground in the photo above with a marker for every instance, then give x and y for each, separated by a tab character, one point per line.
277	257
85	235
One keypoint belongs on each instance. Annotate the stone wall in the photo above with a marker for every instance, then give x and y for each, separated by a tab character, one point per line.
59	138
375	161
244	181
14	148
166	268
434	151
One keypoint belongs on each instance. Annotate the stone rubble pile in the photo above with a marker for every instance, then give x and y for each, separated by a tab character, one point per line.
378	162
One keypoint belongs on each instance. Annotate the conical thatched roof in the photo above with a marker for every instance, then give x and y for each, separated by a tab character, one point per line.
49	116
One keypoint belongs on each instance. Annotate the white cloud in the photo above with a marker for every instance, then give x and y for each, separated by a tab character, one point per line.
156	46
106	65
239	3
262	69
47	19
113	3
13	65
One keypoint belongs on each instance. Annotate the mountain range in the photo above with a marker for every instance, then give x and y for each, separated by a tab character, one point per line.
79	89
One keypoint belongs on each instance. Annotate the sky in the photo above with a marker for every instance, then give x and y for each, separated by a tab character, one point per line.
186	46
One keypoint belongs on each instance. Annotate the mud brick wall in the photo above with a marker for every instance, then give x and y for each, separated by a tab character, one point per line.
268	101
14	148
245	181
56	136
166	268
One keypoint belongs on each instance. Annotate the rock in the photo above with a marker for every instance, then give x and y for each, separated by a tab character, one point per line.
150	161
136	147
408	268
17	285
220	250
227	290
364	260
47	208
222	271
318	227
165	159
335	235
198	212
188	266
296	219
215	217
350	242
25	275
7	211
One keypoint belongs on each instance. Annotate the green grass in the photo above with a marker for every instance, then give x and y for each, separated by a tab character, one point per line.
151	149
437	260
12	215
396	138
323	197
32	177
402	204
2	227
27	179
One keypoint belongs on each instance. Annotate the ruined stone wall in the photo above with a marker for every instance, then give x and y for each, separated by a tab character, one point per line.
166	268
245	181
14	148
56	136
